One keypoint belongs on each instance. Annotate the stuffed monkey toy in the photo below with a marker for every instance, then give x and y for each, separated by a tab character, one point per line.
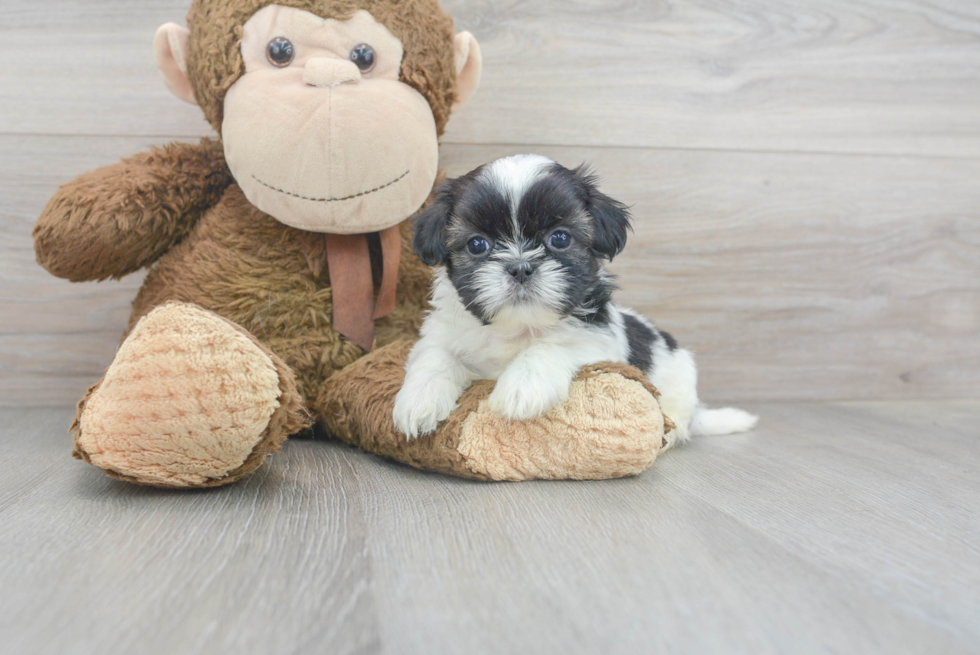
282	289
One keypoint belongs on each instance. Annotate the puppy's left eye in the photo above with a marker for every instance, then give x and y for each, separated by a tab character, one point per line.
478	246
560	240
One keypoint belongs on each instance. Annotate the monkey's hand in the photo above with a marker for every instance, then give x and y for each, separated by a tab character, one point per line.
120	218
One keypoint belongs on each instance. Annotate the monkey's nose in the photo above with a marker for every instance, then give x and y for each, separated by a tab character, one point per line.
323	72
521	271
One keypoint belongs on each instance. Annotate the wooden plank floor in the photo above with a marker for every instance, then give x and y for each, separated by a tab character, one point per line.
834	528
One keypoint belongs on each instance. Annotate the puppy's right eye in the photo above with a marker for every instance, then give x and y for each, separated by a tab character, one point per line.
478	246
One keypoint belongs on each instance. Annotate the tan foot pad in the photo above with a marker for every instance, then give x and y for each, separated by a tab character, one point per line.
610	427
186	401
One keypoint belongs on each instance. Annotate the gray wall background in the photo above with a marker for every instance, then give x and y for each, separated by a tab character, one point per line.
805	176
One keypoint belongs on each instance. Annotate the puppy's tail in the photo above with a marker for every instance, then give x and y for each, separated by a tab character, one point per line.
728	420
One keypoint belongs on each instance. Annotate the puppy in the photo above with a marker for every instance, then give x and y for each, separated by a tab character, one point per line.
522	296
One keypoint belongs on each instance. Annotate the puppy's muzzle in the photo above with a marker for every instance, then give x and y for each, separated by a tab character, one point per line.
521	271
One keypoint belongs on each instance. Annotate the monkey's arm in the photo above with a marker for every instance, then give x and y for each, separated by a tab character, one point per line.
117	219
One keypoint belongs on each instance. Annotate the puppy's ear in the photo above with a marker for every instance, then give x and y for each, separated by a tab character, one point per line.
431	241
610	218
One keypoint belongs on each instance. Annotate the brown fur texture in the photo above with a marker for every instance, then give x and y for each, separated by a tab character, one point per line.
273	281
215	60
178	210
118	219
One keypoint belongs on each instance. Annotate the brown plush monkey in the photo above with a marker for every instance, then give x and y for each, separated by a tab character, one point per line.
282	288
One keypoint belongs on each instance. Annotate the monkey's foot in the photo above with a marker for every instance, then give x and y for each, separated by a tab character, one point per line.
610	427
191	400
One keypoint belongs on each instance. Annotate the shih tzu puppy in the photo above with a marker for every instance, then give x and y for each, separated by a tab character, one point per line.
522	296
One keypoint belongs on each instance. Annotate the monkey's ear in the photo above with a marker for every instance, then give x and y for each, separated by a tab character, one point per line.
170	46
610	218
469	67
431	241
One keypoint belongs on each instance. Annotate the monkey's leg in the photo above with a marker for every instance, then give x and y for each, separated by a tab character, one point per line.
610	427
191	400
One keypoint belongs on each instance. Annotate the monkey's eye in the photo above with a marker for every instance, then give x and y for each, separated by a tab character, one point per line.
560	240
280	52
363	57
478	246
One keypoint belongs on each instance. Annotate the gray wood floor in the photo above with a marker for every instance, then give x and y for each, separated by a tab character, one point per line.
841	528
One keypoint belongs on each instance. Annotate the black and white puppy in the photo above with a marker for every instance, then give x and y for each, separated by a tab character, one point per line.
522	296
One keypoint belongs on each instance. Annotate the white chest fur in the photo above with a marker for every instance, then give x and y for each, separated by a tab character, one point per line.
487	350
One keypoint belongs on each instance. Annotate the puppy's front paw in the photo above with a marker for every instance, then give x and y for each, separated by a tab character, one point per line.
523	394
420	407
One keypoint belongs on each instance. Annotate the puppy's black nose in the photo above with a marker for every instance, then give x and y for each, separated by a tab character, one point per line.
520	271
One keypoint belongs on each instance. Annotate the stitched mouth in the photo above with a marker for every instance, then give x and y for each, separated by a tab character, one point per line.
356	195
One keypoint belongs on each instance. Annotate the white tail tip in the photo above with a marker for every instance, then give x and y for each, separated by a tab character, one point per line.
715	422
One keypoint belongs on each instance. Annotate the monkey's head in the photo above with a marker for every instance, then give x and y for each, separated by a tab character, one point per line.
329	111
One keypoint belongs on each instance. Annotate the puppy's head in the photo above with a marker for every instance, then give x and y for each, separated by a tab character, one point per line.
523	240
